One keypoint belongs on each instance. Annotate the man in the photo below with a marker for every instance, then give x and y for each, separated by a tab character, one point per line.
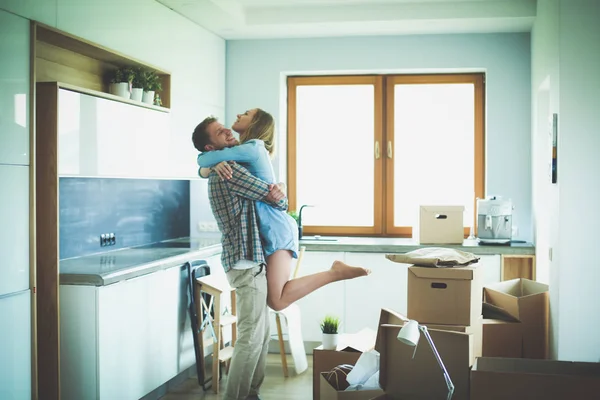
232	203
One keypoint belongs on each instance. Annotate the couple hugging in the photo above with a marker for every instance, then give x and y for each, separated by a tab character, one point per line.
259	238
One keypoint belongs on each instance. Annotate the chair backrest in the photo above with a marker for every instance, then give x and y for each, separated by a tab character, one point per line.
297	268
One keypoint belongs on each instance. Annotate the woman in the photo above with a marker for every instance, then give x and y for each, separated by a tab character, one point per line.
279	231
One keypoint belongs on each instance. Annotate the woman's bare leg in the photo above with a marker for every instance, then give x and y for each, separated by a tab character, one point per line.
283	291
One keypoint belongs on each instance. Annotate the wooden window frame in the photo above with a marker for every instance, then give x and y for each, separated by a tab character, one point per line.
478	80
383	137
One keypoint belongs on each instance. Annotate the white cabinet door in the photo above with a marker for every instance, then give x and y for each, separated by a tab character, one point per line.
100	137
132	354
328	300
14	90
386	287
15	346
491	268
14	228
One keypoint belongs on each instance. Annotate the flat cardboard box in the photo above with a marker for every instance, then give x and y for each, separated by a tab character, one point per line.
502	339
348	351
329	393
476	329
403	377
526	379
441	225
445	296
526	301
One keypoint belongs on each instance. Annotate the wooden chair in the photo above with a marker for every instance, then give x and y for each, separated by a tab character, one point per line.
292	314
211	318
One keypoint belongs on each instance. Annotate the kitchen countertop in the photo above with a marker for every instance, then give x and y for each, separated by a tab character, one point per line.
404	245
113	266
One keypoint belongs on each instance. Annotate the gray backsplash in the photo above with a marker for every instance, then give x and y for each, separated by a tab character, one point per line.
137	211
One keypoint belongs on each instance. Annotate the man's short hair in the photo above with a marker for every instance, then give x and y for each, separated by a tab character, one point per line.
200	137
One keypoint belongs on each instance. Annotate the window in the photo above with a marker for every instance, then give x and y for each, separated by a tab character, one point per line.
367	151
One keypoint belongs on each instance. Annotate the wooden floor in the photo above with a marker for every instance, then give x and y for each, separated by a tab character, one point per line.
275	387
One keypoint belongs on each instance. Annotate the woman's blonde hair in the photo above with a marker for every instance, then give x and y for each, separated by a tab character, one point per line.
262	127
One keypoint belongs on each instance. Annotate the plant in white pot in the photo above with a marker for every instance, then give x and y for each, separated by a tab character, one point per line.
151	86
137	84
330	327
120	82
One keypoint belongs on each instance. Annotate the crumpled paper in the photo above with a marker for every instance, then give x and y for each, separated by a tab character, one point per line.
365	374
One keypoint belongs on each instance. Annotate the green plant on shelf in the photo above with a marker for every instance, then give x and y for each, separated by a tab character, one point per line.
123	74
330	324
152	82
139	78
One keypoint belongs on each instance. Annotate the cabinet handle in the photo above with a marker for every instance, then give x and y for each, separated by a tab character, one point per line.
377	155
389	149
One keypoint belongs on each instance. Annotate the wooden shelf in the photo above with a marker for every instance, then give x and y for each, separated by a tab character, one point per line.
517	266
109	96
62	57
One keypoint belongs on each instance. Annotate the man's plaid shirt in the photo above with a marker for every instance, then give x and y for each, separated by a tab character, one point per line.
232	203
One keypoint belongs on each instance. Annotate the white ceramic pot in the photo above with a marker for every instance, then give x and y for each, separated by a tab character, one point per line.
120	89
330	341
136	94
148	97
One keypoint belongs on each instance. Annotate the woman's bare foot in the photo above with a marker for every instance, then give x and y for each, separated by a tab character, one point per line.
344	271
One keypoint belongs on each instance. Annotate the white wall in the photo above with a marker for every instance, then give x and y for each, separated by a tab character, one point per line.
545	195
256	70
565	54
148	31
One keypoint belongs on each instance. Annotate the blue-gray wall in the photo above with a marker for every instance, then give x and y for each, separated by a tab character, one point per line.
256	71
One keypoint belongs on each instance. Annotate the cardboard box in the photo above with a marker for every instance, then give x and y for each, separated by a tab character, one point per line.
403	377
476	330
502	339
525	379
441	225
348	351
447	296
527	302
329	393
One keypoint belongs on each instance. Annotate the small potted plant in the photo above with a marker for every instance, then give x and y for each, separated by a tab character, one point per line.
330	328
151	86
137	84
120	83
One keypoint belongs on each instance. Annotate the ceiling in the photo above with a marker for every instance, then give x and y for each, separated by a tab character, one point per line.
252	19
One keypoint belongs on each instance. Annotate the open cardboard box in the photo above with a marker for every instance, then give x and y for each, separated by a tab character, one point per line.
449	296
502	339
403	377
525	379
476	329
348	351
329	393
525	301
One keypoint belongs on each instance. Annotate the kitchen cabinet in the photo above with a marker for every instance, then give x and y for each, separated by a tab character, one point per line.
14	89
15	346
386	287
106	138
490	265
126	339
14	229
328	300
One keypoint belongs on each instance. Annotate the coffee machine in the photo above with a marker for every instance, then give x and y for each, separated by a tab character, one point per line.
494	220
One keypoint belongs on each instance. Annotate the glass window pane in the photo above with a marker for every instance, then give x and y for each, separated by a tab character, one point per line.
334	152
434	134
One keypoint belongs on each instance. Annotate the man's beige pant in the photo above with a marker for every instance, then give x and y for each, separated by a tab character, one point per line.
248	364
